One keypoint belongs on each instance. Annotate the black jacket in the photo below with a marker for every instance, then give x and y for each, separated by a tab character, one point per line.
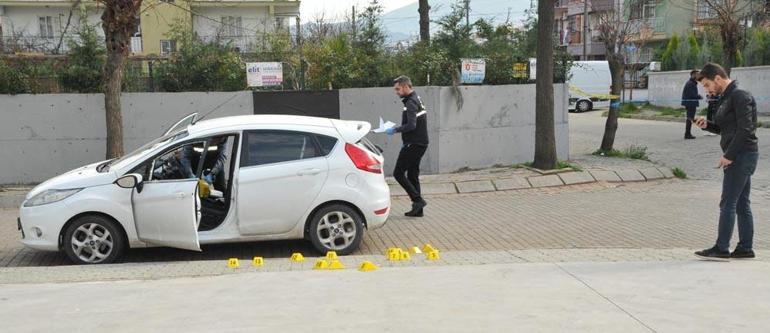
414	121
736	120
690	94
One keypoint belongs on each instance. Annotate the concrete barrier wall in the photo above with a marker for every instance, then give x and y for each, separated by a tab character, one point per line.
42	136
665	88
493	125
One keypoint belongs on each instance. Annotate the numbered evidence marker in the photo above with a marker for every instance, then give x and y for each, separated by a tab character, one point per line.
367	266
297	257
233	263
395	254
432	255
331	255
321	264
258	262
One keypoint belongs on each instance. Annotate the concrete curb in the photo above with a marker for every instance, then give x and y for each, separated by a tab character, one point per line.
542	181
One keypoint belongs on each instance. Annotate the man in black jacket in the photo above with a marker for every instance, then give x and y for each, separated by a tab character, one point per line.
736	121
690	102
414	134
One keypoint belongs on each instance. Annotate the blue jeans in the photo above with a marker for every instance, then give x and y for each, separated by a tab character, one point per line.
736	188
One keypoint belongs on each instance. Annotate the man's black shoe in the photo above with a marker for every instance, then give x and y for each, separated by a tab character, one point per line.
689	137
419	205
713	254
742	254
414	213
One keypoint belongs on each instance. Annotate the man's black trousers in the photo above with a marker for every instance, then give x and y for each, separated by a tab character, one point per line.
407	170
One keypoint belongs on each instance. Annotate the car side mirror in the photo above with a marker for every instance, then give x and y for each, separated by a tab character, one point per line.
132	180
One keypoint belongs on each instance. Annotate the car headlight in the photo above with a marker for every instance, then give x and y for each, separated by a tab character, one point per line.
50	196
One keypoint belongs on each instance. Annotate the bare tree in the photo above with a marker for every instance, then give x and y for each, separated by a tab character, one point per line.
615	30
424	11
119	22
545	137
729	17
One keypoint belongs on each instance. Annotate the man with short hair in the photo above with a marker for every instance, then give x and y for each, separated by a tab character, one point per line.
414	134
735	120
690	101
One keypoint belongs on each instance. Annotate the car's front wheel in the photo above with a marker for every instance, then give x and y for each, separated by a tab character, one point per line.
583	106
336	228
93	239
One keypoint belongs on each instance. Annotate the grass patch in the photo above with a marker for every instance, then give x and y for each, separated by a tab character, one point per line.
633	152
679	173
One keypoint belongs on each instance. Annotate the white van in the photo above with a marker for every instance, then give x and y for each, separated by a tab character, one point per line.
588	79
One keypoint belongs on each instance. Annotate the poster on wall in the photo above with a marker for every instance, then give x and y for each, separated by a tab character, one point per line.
472	71
264	74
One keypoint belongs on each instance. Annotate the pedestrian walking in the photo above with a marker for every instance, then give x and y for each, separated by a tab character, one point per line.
690	101
414	135
713	102
735	120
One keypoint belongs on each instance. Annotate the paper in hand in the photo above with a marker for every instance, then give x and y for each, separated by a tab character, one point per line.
384	126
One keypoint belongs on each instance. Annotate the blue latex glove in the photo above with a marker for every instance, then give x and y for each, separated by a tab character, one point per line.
209	179
390	131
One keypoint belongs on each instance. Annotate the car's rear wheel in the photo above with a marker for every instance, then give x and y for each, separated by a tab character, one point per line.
583	106
93	239
336	228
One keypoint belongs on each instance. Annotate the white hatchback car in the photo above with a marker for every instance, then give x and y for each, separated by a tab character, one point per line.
271	177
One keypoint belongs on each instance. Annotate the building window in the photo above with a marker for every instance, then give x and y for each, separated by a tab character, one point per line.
643	9
705	11
232	26
167	47
46	26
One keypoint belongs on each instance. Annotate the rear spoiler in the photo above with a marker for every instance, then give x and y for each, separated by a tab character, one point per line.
352	131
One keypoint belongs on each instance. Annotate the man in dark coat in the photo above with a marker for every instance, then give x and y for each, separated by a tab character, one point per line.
690	98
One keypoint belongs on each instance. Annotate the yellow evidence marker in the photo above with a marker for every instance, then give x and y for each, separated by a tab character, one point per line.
258	262
428	248
367	266
331	255
297	257
233	263
395	254
415	250
432	255
336	264
321	264
405	256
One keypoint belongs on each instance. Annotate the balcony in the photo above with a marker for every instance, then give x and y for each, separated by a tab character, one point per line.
577	7
244	44
592	49
33	44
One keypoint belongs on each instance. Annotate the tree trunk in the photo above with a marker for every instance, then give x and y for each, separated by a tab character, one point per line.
119	22
731	38
617	71
424	11
545	137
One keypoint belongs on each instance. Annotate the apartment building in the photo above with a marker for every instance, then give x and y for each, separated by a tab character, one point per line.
44	26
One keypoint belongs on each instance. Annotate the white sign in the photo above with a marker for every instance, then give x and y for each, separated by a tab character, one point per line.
264	74
472	71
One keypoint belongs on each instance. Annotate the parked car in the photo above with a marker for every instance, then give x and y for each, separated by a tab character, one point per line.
588	79
267	177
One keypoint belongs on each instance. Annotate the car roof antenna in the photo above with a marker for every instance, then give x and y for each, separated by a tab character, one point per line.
217	107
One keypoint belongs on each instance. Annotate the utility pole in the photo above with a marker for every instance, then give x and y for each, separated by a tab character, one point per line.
467	13
301	83
585	29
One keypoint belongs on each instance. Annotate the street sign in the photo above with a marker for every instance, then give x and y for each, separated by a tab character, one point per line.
264	74
520	70
472	71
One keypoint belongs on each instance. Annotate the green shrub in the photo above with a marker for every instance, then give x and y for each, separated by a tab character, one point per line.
679	173
83	73
12	80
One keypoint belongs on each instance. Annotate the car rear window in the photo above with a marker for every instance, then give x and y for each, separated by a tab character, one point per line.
326	143
370	146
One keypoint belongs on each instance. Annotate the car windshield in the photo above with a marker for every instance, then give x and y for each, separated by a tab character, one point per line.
136	154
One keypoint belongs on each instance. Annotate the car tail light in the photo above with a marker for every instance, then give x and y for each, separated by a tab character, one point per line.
363	160
381	211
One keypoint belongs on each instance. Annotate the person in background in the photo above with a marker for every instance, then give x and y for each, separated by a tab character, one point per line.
735	120
414	135
690	98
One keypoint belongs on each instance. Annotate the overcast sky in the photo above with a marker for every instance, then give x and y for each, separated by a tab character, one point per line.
309	9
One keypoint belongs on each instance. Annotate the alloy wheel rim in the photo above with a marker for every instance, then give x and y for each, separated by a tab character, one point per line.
92	243
336	230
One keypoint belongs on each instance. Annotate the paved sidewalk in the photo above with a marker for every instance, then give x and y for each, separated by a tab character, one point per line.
629	297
